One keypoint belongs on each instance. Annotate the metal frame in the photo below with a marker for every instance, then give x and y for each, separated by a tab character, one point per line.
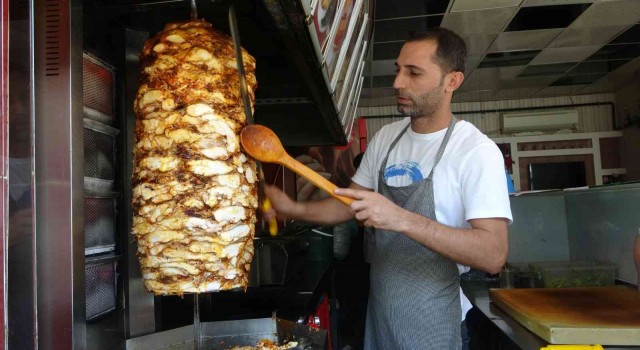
349	79
140	315
59	191
358	11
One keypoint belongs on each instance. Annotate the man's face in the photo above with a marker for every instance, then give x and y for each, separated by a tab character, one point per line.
419	81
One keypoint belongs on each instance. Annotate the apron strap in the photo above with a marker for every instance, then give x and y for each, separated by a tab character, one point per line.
443	145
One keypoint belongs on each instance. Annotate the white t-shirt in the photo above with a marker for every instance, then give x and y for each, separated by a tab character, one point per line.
468	181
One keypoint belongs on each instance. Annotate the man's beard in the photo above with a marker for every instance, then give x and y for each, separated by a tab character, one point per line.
423	105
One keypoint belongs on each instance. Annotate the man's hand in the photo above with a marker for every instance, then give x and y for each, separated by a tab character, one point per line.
374	209
282	206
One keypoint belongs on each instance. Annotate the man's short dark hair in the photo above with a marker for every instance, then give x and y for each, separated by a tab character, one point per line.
451	54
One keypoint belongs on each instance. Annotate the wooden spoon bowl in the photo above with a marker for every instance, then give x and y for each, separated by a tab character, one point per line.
264	145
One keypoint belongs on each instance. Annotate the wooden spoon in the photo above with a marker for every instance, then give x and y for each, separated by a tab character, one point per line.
262	144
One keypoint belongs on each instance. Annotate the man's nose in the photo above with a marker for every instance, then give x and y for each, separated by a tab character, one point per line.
399	81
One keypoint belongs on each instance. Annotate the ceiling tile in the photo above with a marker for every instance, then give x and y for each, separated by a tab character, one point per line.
510	94
598	87
383	67
560	90
631	35
580	79
401	29
626	74
387	51
564	54
545	70
524	40
614	52
490	21
585	36
489	78
467	5
472	63
470	96
407	8
505	59
538	82
477	44
609	13
545	17
597	67
554	2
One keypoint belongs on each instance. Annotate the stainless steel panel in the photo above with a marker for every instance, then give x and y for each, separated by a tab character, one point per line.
139	304
20	241
59	167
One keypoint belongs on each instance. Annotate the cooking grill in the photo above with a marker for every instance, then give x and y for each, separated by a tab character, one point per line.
227	334
100	285
97	85
98	152
99	224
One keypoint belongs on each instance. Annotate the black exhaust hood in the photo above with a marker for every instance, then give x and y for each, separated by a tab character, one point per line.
293	97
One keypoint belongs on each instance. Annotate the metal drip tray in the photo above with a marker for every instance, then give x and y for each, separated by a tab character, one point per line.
228	334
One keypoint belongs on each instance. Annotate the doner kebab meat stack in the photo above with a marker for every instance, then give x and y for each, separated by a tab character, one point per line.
194	191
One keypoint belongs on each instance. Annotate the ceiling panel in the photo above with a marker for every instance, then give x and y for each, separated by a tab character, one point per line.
586	36
579	46
408	8
489	78
564	54
401	29
545	70
524	40
537	82
616	52
546	17
477	44
510	94
490	21
505	59
560	90
609	13
554	2
468	5
631	35
470	96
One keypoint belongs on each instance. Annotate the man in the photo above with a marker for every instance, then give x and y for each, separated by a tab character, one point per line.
432	190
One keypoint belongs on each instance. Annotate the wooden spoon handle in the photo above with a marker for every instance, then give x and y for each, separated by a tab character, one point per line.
313	177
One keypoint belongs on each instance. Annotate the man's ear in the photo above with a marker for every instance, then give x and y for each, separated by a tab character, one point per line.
455	79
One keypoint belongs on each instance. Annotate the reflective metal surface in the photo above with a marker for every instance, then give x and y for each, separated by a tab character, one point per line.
20	300
139	304
59	159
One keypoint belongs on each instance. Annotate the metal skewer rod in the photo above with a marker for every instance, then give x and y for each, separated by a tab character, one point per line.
235	35
197	327
194	10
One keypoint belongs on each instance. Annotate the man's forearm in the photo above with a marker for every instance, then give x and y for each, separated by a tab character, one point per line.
324	212
480	248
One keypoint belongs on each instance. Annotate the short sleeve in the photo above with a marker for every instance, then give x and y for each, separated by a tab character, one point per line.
365	176
483	185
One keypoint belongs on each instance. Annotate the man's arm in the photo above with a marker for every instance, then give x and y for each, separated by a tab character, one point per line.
324	212
484	246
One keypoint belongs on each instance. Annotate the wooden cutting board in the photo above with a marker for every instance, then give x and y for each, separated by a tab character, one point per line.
588	315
